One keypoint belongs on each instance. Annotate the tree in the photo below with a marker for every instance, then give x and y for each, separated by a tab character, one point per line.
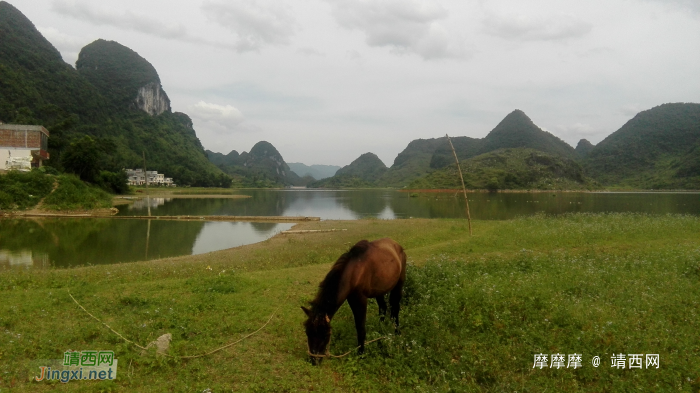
82	158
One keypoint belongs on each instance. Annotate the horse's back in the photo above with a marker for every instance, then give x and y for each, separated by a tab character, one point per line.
380	268
393	250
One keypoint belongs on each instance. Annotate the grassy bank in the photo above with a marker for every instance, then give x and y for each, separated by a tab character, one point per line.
23	190
26	190
476	310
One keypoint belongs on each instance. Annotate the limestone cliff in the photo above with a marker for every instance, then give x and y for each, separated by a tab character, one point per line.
123	77
152	99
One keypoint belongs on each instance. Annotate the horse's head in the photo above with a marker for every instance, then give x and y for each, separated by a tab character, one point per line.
318	332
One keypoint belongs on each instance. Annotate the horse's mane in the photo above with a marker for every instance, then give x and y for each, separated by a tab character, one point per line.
325	301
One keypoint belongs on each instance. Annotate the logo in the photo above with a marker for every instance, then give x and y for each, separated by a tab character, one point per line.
81	365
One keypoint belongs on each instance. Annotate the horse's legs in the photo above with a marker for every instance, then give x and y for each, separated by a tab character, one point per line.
382	307
358	305
394	300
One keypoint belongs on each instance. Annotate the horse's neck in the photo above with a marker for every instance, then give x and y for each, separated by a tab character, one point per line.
327	308
331	303
332	295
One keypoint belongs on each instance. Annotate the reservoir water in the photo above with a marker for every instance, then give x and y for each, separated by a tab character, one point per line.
72	242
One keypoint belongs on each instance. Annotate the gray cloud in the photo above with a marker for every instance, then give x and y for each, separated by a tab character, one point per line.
219	120
306	51
144	24
127	20
253	22
631	109
405	26
692	5
535	28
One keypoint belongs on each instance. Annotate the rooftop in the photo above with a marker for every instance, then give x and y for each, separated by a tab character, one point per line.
22	127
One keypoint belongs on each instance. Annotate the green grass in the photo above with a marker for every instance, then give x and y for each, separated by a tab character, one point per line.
23	190
476	310
73	194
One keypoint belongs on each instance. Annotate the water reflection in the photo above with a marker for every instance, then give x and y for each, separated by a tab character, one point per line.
73	242
144	203
389	204
222	235
23	259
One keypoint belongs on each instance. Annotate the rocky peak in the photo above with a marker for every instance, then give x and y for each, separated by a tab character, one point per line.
151	98
123	77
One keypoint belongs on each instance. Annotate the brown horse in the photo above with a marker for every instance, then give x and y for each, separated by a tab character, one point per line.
367	270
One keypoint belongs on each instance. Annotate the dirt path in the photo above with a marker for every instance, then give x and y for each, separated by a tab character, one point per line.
39	211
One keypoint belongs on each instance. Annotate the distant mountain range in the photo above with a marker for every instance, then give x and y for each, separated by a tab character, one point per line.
657	149
318	172
115	99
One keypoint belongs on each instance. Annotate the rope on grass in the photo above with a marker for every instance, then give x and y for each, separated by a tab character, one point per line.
228	345
328	354
171	356
108	327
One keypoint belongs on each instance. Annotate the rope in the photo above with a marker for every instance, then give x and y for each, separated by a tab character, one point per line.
108	327
228	345
171	356
330	355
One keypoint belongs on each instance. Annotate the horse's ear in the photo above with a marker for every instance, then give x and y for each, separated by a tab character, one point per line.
306	311
328	320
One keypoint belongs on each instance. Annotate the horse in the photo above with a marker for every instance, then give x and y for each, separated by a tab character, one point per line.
367	270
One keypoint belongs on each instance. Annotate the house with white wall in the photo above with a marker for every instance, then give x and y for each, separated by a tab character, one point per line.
23	146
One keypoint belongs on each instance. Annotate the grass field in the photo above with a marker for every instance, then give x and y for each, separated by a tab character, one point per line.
475	312
25	190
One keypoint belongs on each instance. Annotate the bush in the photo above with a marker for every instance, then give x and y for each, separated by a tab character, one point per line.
114	182
23	190
73	194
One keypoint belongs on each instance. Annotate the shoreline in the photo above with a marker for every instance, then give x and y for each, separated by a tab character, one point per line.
478	191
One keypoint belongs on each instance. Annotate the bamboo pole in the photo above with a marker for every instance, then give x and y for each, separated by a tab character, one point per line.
464	188
145	176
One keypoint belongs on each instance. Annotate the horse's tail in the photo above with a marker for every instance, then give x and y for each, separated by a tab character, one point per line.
358	249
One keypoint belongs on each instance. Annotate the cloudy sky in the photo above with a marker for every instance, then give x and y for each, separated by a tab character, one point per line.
327	80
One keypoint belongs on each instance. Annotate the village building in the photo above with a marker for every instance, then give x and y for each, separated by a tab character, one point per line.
23	147
137	178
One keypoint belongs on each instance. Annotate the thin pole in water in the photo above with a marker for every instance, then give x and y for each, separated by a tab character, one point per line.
464	188
145	176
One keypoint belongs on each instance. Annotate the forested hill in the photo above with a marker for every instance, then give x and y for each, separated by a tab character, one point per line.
514	131
412	162
364	171
35	82
122	76
112	104
262	167
658	148
424	156
510	168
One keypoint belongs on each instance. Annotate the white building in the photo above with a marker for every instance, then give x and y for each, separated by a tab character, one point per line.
137	178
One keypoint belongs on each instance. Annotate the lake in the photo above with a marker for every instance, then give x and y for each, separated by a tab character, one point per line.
72	242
